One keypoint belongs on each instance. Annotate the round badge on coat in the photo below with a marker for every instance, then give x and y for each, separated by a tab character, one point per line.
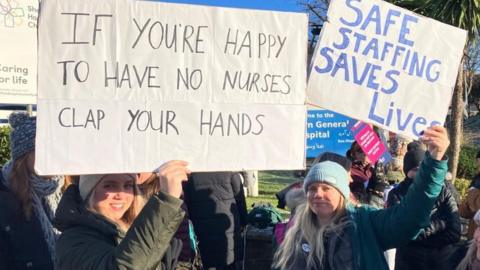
306	247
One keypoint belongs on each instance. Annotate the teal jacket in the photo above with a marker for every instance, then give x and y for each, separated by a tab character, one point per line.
376	230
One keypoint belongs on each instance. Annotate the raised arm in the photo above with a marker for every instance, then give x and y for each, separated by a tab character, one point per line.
398	224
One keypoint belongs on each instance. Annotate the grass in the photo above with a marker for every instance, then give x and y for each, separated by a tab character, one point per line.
271	182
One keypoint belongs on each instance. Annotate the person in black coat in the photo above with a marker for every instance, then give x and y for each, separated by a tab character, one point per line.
27	203
218	211
434	245
22	244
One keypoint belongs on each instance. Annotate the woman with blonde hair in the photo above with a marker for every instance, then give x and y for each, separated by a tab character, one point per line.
331	233
106	224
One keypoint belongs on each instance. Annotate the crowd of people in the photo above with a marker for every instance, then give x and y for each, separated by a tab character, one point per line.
344	215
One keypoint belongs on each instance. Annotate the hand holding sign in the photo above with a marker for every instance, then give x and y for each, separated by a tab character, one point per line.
436	139
172	174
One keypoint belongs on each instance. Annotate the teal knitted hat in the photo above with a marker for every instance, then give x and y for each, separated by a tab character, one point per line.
331	173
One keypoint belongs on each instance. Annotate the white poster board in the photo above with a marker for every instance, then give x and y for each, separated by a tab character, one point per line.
385	65
18	51
127	85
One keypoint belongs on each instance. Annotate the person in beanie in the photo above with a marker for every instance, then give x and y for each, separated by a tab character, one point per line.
331	233
105	223
27	202
296	196
432	247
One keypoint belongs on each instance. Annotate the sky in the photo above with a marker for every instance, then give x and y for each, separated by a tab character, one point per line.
279	5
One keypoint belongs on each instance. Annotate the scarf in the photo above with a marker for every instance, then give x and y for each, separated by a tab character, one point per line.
45	195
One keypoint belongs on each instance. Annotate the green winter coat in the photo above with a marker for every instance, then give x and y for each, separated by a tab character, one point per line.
89	241
376	230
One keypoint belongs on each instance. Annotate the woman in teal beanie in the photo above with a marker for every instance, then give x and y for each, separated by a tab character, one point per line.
331	233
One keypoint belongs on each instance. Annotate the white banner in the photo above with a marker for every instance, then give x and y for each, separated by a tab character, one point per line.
385	65
126	85
18	51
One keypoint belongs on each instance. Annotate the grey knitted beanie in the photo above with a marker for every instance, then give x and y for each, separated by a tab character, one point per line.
22	136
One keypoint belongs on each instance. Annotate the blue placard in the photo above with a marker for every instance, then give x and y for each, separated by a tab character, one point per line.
328	131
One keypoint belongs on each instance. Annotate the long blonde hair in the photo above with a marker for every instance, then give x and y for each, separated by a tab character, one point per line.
132	212
307	228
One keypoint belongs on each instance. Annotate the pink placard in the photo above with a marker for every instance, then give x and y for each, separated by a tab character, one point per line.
370	143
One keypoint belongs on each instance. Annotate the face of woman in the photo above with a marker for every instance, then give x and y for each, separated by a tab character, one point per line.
114	195
323	199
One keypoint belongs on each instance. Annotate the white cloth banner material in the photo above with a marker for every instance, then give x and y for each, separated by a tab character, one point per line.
18	51
127	85
385	65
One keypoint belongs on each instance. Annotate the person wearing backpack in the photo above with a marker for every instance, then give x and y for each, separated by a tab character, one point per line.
217	208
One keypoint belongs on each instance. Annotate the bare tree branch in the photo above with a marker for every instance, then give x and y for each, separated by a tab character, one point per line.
314	10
